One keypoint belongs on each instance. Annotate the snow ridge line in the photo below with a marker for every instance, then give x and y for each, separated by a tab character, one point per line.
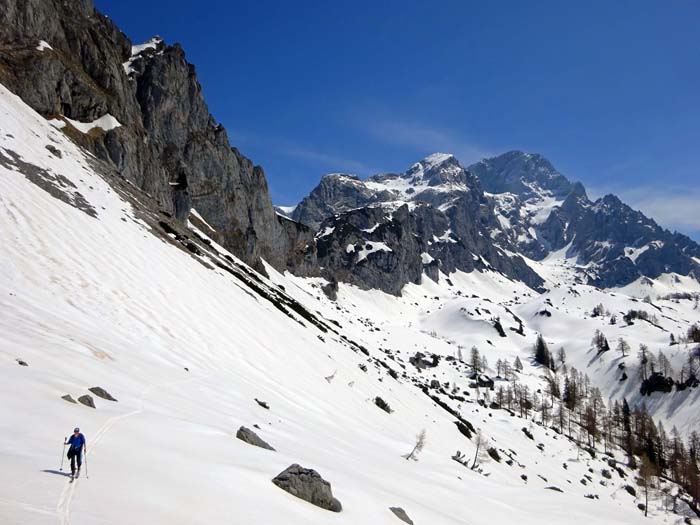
66	497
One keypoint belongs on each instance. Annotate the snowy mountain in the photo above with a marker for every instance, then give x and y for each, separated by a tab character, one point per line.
193	347
516	203
441	346
612	245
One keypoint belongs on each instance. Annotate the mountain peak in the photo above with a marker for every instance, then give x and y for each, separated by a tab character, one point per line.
340	177
435	159
437	169
522	174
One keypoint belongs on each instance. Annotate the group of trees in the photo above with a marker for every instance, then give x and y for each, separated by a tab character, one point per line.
570	405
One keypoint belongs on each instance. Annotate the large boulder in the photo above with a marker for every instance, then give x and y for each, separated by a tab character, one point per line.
307	484
250	437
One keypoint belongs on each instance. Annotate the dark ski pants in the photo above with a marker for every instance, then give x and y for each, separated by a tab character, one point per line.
75	455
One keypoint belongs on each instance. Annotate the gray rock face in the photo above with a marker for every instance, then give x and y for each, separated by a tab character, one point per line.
370	238
168	144
308	485
517	172
101	392
87	401
336	193
250	437
401	514
69	398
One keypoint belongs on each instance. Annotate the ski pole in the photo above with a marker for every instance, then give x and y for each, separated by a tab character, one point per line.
86	465
63	452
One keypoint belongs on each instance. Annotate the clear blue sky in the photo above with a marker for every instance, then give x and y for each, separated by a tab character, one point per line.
608	91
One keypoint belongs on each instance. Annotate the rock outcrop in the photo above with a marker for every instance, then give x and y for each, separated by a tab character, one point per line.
307	484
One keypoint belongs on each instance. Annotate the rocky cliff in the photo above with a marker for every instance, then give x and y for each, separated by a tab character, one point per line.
72	64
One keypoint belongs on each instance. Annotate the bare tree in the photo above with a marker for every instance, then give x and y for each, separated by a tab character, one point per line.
561	356
623	347
474	359
479	453
418	447
483	363
647	472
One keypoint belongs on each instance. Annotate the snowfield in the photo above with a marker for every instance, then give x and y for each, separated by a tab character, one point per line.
91	295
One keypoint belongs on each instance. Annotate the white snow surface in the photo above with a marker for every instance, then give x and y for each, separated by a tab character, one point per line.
106	122
370	247
102	301
43	45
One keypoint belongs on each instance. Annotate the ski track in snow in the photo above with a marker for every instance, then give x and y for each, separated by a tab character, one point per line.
64	501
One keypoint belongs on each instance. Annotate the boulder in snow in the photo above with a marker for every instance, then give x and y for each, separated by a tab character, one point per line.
250	437
69	398
401	514
262	404
87	401
101	392
307	484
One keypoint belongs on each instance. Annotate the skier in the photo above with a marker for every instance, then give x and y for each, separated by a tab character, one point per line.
75	452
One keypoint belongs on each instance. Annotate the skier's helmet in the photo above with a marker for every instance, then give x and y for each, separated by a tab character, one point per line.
76	429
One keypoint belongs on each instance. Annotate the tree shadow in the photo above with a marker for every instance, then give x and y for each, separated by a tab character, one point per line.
57	472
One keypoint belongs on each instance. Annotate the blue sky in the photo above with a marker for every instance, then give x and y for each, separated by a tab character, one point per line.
608	91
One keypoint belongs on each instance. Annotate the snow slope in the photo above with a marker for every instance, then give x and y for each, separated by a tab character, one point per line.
92	295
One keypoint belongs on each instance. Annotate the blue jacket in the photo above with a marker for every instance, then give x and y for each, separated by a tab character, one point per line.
76	442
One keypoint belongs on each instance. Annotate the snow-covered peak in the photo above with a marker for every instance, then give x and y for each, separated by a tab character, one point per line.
341	177
434	160
433	163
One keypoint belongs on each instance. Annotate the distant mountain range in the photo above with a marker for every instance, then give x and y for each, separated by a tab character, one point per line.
439	216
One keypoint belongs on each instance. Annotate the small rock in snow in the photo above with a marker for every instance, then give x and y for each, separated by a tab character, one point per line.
401	514
248	436
87	401
262	404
